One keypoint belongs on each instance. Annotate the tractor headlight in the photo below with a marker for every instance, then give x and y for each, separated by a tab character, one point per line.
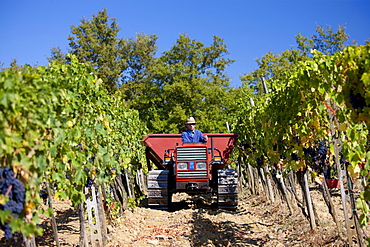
201	165
182	166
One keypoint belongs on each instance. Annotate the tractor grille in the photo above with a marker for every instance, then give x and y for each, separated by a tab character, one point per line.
191	153
192	173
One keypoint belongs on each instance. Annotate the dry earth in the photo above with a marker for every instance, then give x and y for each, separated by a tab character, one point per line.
195	221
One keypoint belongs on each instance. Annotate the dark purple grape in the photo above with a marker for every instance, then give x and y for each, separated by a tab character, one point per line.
259	162
15	190
7	231
90	182
44	195
356	100
295	156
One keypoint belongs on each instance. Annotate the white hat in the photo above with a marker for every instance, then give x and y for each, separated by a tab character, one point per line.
190	120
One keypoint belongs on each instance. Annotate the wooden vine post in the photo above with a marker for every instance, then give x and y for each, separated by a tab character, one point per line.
267	176
337	149
96	218
53	221
330	205
264	171
308	200
251	180
284	191
264	184
303	182
257	181
101	216
292	182
83	242
353	208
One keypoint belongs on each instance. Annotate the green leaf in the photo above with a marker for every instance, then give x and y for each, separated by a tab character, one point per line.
8	83
56	176
80	176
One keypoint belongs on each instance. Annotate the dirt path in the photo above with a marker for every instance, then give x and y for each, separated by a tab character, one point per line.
195	221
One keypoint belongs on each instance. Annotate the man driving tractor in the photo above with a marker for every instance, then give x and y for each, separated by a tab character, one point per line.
192	134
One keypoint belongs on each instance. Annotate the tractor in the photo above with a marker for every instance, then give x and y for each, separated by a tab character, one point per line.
193	168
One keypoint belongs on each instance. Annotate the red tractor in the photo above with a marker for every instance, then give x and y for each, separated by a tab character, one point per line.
194	168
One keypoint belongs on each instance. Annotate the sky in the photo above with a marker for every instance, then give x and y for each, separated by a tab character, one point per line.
250	29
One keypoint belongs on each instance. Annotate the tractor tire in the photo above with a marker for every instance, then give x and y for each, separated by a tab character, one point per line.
227	189
158	194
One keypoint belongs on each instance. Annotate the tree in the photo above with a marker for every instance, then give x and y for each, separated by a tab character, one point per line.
13	66
95	42
326	41
58	55
121	63
269	66
187	80
139	56
276	66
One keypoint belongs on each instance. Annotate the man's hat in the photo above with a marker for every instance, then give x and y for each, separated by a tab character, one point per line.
190	120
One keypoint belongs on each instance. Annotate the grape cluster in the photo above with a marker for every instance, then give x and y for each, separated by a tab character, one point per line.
356	100
44	195
343	160
89	183
245	146
79	146
310	152
322	151
318	156
295	157
15	191
259	162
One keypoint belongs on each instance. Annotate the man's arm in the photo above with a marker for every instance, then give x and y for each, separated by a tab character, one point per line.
205	137
202	138
185	137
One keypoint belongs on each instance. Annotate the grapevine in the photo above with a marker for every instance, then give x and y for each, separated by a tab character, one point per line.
316	104
61	126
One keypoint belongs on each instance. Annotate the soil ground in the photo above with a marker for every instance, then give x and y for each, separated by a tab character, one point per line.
196	221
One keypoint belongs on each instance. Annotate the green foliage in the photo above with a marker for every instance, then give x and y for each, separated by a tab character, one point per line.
58	55
61	125
134	202
326	40
295	115
95	42
188	80
139	56
271	66
278	66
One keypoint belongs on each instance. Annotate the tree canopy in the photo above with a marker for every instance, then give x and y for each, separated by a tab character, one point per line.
187	80
96	43
325	40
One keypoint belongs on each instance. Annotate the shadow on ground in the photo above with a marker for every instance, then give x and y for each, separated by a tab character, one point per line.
64	220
